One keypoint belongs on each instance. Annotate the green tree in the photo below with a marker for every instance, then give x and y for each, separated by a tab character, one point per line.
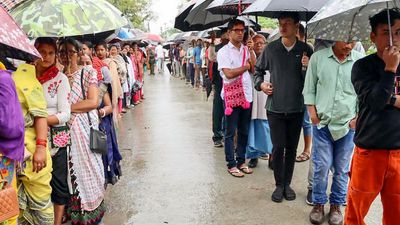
137	11
268	22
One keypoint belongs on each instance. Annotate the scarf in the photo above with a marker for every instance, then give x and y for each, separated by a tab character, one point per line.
97	65
48	74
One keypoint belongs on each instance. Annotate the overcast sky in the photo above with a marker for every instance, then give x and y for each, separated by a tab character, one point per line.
165	10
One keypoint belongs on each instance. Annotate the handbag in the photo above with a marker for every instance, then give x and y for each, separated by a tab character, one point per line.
8	200
60	137
98	139
234	93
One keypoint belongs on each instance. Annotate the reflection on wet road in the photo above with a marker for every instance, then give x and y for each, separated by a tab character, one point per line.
173	175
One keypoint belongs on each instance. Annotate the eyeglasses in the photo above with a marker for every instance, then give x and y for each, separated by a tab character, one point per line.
259	43
238	30
70	52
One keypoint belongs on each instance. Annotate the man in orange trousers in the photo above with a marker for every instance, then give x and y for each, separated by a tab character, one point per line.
375	167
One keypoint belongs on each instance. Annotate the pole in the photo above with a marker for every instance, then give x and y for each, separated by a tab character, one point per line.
389	25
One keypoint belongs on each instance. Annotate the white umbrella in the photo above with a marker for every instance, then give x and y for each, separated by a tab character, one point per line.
346	20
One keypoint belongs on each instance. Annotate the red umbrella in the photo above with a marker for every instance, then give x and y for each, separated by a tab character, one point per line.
13	41
154	37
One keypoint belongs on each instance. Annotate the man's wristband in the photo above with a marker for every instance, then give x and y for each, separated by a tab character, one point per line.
392	100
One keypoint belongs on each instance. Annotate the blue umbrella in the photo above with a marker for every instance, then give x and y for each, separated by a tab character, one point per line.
125	35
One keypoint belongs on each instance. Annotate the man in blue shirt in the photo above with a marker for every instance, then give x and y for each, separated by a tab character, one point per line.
197	62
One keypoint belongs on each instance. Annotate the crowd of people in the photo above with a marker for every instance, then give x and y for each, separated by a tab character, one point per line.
265	93
51	110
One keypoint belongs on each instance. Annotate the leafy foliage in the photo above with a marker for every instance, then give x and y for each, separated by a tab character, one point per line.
138	11
268	22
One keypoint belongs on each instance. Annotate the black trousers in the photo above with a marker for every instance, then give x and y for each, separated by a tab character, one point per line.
285	133
217	114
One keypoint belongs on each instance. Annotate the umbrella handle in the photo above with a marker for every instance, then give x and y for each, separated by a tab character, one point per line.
389	25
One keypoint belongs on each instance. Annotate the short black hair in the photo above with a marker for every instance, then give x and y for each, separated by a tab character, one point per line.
302	30
46	40
289	15
77	45
126	44
101	43
235	22
382	18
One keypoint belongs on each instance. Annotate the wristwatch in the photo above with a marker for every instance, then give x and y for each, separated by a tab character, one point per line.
392	100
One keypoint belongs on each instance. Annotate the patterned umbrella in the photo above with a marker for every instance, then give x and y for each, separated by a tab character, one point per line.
9	4
58	18
13	41
345	20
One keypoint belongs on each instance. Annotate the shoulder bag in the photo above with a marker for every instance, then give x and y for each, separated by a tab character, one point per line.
98	139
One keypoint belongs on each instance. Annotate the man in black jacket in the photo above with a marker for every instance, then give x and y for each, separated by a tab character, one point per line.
286	60
376	161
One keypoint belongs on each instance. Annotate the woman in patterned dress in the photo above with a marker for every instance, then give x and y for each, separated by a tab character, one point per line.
86	205
56	90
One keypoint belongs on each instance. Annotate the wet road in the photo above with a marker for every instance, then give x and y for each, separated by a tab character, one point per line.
174	175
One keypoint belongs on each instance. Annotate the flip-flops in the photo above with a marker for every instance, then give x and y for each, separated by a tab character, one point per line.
245	169
303	157
235	172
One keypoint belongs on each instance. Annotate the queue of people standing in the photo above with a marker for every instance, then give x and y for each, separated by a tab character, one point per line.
49	110
265	89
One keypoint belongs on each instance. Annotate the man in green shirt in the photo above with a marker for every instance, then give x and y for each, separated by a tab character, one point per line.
332	103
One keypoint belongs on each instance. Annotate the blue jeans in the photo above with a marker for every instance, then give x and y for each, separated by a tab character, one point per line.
329	154
240	120
307	128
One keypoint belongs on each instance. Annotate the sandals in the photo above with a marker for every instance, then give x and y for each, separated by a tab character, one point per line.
235	172
245	169
303	157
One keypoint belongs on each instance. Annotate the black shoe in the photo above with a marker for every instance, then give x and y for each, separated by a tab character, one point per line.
253	163
289	193
277	195
309	200
218	144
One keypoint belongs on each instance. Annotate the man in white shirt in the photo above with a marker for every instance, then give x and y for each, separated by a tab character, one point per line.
160	58
231	67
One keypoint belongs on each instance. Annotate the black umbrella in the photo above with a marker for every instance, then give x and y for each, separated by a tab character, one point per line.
201	19
208	85
229	7
180	22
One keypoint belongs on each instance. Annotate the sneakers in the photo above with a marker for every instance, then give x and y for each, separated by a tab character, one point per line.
289	193
218	144
309	200
317	214
277	195
335	215
253	163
